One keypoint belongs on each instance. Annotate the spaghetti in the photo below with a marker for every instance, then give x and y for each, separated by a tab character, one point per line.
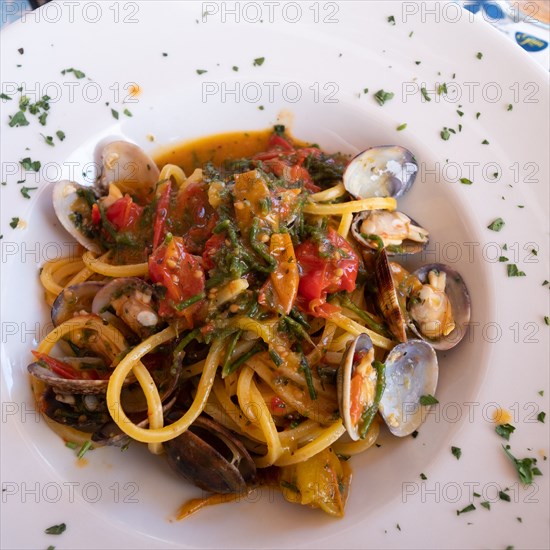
217	295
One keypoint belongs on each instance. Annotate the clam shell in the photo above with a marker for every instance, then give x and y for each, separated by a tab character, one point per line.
459	297
386	298
343	381
74	299
411	372
407	247
382	171
64	198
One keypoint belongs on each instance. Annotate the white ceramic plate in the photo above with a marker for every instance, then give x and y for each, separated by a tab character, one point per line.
319	57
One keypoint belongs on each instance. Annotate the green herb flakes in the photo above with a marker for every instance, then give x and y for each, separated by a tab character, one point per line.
84	449
513	271
235	68
25	191
510	107
48	140
504	496
466	181
424	93
382	96
401	127
71	444
457	452
60	135
127	112
479	55
258	62
496	225
505	430
29	164
18	119
423	476
56	529
484	142
6	97
542	415
445	134
391	19
78	74
201	71
486	504
478	115
428	400
469	508
525	467
14	223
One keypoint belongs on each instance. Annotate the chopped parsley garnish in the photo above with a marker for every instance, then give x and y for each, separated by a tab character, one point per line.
48	140
428	400
442	89
445	135
505	430
466	181
486	504
460	113
541	393
114	113
60	134
4	96
457	452
127	112
201	71
503	259
21	50
504	496
401	127
258	61
424	92
164	54
423	476
478	115
525	467
14	222
414	435
513	271
484	142
235	68
29	164
25	191
76	72
18	119
56	529
71	444
365	90
398	526
510	107
496	225
479	55
261	107
469	508
545	282
542	415
381	96
391	19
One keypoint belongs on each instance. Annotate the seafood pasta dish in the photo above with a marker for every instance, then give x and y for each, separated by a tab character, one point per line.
240	306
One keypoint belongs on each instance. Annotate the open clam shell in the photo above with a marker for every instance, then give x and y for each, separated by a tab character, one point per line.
387	299
459	298
127	165
211	457
411	372
400	233
74	212
356	371
383	171
73	300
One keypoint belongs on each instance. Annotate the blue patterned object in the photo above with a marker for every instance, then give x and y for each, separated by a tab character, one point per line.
530	43
493	10
12	10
